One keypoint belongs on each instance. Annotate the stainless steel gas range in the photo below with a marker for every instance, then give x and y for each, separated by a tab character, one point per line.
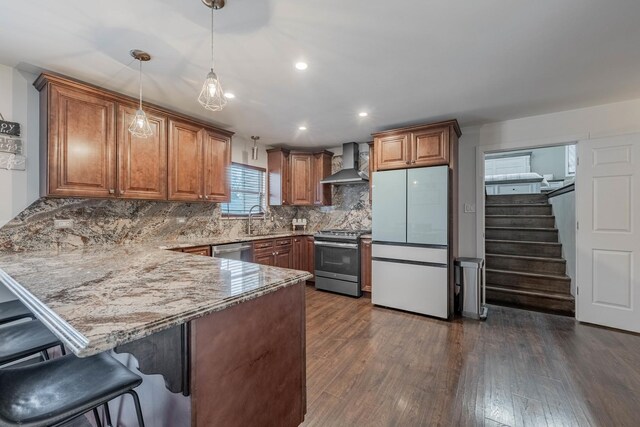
338	261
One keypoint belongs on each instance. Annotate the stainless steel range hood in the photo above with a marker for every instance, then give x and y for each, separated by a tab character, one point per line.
350	173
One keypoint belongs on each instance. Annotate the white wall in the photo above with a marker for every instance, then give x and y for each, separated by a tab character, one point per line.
19	103
18	189
548	129
564	209
241	152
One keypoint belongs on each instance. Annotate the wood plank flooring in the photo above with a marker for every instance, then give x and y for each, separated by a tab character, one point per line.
370	366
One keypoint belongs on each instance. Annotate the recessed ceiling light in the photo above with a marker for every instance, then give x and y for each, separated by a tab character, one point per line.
229	95
302	128
301	66
363	114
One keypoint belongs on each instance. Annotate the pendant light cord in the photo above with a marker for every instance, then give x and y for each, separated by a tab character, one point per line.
140	83
212	36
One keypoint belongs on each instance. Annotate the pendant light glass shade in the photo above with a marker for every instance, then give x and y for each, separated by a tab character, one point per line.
254	149
140	126
211	96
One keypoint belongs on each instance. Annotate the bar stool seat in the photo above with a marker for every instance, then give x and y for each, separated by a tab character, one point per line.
58	390
24	339
13	310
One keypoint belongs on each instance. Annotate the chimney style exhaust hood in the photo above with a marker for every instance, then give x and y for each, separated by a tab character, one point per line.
350	173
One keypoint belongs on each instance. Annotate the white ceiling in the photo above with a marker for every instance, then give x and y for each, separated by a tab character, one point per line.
404	62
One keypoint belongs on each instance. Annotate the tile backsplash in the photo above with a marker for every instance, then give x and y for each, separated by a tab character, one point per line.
103	222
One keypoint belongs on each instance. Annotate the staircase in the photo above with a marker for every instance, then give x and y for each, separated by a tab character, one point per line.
524	264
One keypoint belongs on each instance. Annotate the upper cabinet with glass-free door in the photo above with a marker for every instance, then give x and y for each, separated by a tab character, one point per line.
417	146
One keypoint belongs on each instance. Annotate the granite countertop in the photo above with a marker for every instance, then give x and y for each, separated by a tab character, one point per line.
97	298
221	240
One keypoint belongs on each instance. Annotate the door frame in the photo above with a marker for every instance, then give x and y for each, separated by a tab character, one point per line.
483	150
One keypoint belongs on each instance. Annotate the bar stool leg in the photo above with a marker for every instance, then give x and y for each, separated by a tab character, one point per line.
45	355
64	353
107	414
136	402
97	417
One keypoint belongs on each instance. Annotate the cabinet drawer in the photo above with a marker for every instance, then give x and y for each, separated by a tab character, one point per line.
283	242
264	244
198	250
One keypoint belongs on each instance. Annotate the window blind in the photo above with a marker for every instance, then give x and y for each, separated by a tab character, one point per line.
247	190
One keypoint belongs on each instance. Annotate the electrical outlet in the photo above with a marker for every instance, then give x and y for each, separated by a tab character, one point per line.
62	224
469	207
181	220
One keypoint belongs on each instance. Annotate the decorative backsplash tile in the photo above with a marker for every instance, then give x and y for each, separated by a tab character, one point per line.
103	222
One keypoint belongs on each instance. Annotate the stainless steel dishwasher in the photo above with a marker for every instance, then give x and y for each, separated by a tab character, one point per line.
238	251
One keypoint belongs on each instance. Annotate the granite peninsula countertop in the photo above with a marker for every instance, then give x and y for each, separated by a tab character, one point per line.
97	298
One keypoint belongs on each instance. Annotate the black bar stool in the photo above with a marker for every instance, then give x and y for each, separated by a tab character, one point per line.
24	339
56	391
11	311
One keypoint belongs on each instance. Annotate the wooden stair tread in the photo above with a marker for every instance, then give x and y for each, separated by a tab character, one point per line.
549	295
526	242
511	205
526	257
527	274
520	216
519	228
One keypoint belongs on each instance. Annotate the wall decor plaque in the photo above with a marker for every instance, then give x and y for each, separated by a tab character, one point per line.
9	128
11	145
12	161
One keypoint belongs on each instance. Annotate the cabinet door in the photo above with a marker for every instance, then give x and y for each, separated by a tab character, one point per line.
392	151
301	179
264	258
430	148
185	161
311	255
278	177
283	257
142	161
300	253
217	161
321	170
365	265
81	144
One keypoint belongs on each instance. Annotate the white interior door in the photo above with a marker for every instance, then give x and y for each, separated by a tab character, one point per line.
608	237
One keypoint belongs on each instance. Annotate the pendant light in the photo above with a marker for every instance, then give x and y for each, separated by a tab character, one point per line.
254	149
211	96
140	126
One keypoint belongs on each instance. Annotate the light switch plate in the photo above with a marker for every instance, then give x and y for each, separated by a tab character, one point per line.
62	224
469	207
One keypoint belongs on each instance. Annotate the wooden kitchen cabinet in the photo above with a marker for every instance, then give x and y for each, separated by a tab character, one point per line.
293	177
311	256
89	152
79	131
274	252
321	170
278	177
142	161
217	160
392	151
416	146
300	253
365	265
430	147
198	163
302	188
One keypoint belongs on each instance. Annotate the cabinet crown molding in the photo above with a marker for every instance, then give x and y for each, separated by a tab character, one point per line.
447	123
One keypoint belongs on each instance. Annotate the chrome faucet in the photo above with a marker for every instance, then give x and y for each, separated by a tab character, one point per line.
251	216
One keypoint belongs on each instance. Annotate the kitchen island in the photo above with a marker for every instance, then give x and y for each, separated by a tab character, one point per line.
241	326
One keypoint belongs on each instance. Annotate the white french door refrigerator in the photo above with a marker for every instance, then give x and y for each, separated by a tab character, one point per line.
410	253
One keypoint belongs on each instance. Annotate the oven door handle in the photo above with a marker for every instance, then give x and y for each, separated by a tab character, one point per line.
336	245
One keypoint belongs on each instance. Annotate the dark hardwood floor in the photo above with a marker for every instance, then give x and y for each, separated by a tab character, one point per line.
370	366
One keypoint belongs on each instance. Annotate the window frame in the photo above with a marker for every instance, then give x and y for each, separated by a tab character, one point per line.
226	215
